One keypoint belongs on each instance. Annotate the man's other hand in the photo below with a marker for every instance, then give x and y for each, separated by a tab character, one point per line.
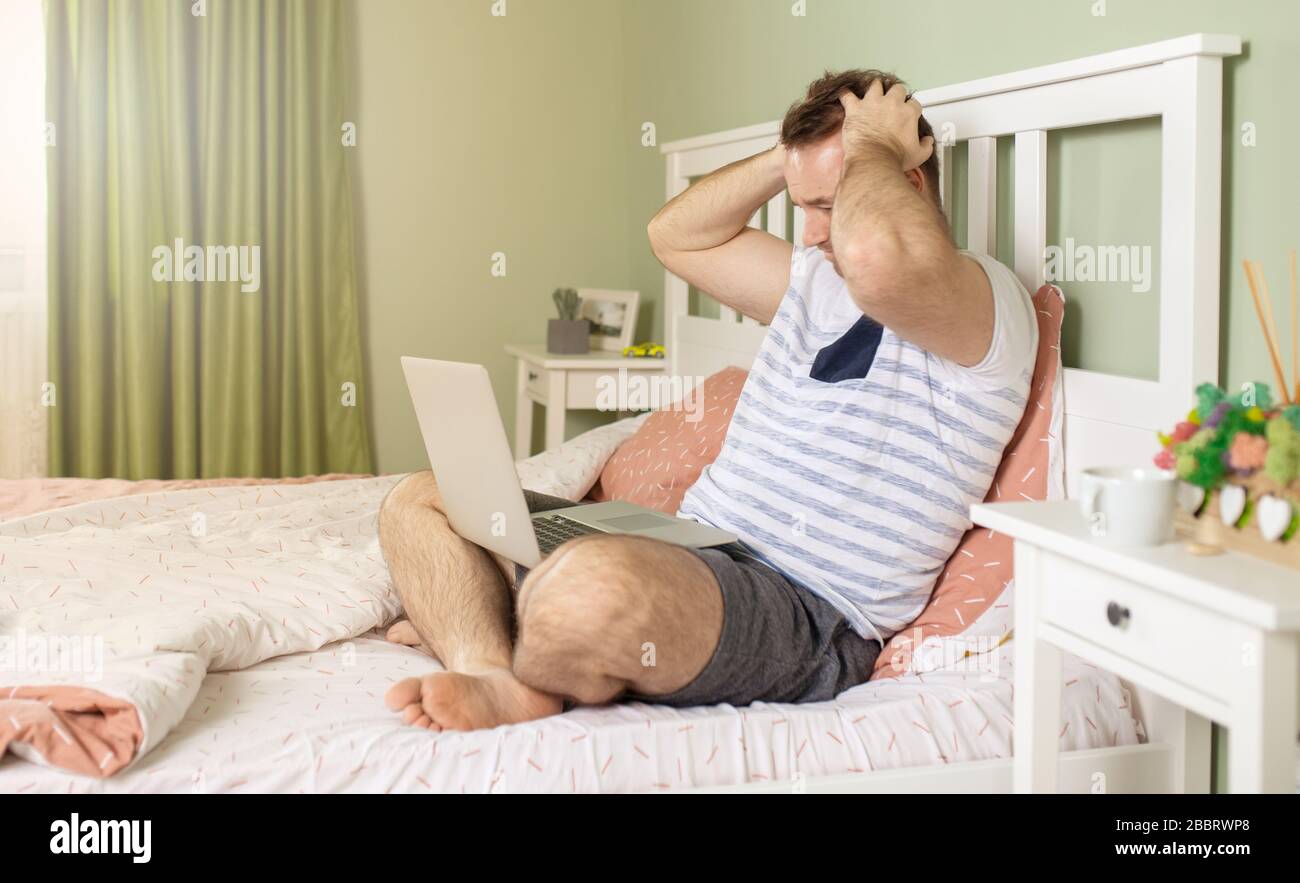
886	120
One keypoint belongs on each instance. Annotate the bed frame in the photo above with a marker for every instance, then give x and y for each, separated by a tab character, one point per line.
1108	418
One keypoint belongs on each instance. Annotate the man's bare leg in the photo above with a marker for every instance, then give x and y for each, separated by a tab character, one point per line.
604	615
459	603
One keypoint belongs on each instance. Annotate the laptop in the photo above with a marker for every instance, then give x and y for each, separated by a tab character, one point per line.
480	490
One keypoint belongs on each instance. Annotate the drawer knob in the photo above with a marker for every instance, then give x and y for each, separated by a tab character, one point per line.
532	375
1117	614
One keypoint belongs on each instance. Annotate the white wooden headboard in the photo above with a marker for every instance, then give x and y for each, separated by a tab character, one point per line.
1109	418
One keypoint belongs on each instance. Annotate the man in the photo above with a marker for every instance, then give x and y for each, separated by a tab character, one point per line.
894	372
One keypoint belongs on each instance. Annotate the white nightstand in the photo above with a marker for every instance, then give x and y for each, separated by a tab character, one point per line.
565	383
1216	635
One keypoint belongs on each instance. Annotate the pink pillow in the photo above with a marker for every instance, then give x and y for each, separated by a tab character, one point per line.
667	454
978	575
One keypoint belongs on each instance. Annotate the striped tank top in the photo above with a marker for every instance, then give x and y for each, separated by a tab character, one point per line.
853	456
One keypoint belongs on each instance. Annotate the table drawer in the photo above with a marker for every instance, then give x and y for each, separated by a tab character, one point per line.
1189	644
537	383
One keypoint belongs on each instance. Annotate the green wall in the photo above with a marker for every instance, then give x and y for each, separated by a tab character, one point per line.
695	67
480	134
522	134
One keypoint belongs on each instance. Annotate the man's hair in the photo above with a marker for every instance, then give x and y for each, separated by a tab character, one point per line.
819	113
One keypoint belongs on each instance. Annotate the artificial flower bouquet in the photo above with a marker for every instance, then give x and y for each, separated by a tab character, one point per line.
1239	458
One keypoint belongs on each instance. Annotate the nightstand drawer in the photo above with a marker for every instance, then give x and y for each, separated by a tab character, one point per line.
1187	643
537	383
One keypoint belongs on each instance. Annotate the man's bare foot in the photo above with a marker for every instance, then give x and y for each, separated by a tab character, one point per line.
454	701
402	632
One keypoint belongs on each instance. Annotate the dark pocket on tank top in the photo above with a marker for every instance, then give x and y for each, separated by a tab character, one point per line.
850	357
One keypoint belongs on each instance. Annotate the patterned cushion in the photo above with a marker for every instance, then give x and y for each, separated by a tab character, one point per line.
655	467
972	597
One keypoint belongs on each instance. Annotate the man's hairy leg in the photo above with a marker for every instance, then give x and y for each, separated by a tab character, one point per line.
459	604
593	610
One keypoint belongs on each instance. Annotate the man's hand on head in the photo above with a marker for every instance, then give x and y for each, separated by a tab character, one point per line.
885	120
892	245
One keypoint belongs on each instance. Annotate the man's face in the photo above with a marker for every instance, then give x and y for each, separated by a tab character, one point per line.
812	173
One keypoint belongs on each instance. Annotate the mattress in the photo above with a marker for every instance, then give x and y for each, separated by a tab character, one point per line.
315	722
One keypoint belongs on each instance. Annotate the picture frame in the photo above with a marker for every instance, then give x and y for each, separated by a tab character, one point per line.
613	316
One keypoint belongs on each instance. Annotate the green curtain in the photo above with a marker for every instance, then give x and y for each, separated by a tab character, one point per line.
216	129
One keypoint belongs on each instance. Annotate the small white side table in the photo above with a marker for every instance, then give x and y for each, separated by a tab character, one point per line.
1217	636
565	383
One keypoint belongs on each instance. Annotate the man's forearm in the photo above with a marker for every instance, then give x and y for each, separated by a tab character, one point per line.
891	243
702	237
716	208
901	267
886	234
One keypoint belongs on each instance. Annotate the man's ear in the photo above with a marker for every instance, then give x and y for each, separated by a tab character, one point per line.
917	180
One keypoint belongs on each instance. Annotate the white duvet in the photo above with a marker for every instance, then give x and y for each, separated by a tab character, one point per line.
138	598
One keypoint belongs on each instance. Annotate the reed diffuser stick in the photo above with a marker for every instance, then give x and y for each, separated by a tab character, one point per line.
1265	325
1276	338
1295	334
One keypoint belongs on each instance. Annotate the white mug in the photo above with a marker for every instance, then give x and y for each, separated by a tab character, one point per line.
1129	505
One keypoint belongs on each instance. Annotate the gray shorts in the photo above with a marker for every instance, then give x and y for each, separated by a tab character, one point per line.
779	643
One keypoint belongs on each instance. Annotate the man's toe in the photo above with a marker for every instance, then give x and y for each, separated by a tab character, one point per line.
403	693
404	633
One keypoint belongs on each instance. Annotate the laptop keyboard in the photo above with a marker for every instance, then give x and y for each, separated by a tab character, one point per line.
555	530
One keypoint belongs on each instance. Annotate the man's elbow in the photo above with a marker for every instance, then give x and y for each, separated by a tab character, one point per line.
657	235
875	265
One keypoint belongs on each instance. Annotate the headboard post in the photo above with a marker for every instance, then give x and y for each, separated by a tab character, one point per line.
1031	208
982	196
1191	163
946	152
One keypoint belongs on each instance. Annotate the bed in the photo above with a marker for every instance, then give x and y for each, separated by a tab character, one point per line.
281	690
315	723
